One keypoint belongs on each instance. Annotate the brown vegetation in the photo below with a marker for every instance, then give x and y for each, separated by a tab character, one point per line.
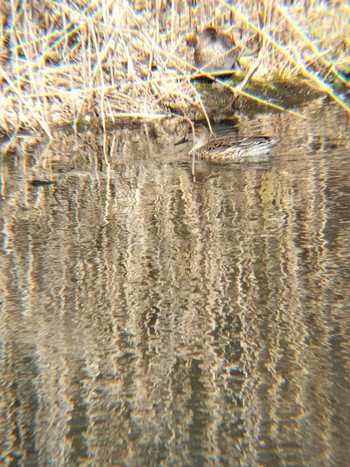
71	63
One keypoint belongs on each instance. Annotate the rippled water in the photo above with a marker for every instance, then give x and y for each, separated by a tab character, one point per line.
156	316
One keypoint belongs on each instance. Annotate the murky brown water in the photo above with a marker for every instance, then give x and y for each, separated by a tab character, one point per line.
150	319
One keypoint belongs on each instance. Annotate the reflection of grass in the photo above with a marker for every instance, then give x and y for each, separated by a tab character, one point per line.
64	62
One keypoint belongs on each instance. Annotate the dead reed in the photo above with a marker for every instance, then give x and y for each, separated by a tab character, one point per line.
84	63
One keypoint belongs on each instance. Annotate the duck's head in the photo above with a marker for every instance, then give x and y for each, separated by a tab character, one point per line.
208	36
199	134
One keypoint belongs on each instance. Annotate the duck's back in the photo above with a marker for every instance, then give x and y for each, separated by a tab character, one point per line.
240	149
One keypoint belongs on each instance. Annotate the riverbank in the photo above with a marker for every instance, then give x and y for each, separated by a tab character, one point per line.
90	66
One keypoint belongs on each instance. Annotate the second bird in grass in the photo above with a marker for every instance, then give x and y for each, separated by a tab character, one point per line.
215	51
239	149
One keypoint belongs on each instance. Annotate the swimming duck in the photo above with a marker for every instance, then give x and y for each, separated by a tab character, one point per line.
250	148
215	51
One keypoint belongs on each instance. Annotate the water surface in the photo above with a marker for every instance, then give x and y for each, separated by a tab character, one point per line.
156	316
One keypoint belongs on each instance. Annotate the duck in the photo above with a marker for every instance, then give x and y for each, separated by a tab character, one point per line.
215	51
238	149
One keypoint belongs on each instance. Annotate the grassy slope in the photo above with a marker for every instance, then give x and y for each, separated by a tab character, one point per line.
67	62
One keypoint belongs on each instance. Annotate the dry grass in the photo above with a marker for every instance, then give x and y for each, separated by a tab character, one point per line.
67	62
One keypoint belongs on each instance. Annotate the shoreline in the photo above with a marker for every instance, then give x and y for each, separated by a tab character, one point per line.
111	62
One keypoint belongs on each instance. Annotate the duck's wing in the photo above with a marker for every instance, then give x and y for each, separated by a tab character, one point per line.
243	142
221	143
253	141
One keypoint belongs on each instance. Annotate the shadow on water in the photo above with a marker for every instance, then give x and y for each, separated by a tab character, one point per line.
149	319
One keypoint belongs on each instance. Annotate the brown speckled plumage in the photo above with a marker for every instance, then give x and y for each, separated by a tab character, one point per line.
231	149
215	51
